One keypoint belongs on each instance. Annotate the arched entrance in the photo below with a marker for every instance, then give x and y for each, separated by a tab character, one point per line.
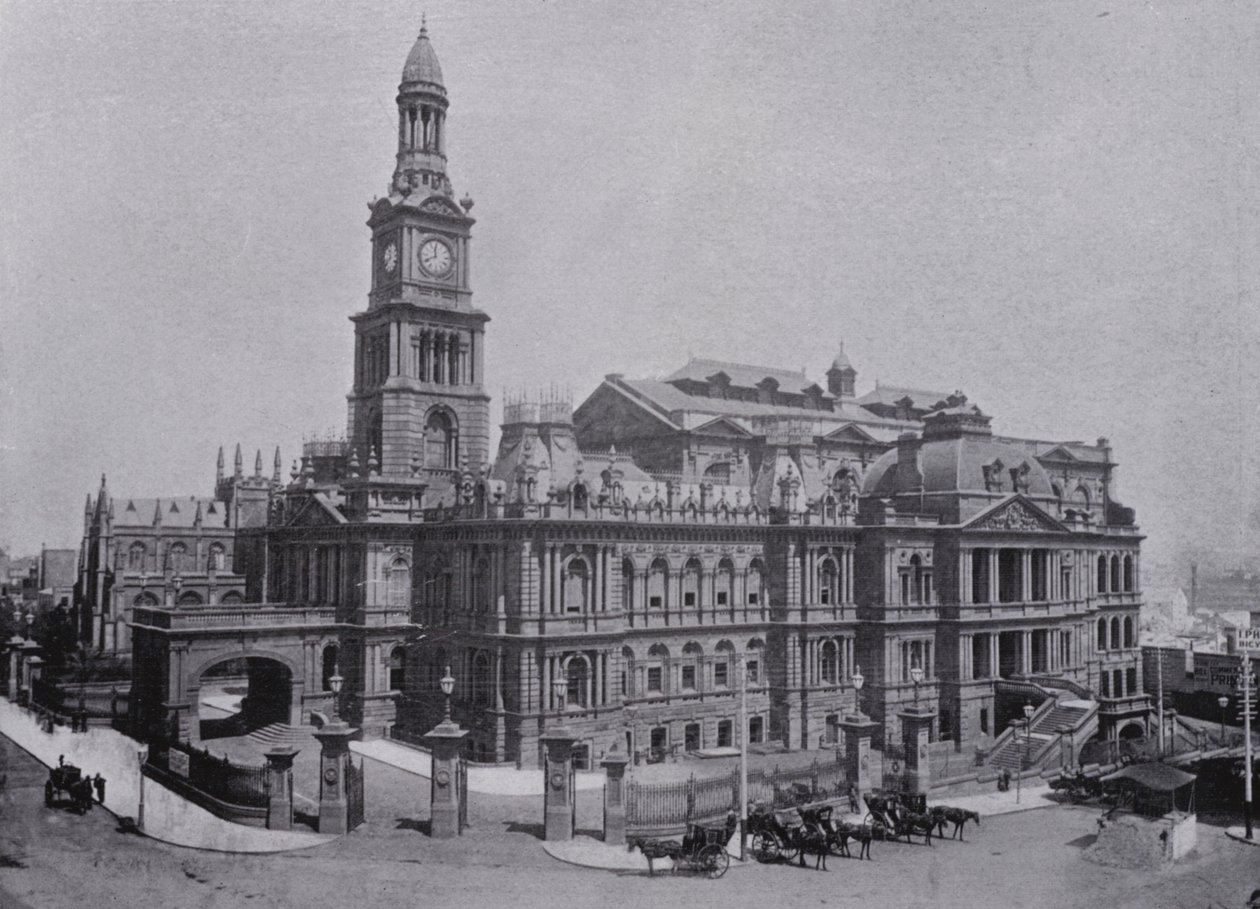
241	694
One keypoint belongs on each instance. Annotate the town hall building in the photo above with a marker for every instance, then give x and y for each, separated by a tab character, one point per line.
660	545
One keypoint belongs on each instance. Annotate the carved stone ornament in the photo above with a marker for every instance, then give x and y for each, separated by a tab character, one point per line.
1015	516
557	780
442	778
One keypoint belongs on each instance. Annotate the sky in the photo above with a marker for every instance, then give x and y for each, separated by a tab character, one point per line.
1049	206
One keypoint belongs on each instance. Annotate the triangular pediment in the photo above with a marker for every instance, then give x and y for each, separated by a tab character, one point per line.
849	432
1016	514
1058	453
315	511
724	428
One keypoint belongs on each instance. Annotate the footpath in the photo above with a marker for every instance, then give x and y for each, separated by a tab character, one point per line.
167	816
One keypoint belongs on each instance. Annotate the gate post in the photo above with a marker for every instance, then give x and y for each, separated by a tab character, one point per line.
15	651
334	749
916	725
614	764
280	788
446	739
858	732
557	807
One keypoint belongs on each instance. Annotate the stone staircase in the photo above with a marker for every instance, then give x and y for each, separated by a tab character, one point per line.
1060	716
279	735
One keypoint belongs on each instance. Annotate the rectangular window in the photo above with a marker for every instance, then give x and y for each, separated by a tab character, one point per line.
721	598
753	672
724	733
689	598
752	598
654	679
984	720
625	689
719	675
654	602
689	678
824	595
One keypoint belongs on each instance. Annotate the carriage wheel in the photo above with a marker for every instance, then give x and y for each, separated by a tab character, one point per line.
789	853
765	848
714	861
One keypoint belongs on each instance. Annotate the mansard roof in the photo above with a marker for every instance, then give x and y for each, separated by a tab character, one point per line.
890	395
741	375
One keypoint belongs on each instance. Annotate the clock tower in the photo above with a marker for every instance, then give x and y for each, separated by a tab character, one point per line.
418	408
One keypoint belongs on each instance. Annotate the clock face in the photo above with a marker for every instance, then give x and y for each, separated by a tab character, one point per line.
435	257
389	257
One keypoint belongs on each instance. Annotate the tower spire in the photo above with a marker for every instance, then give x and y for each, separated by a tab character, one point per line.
258	464
239	463
218	473
275	467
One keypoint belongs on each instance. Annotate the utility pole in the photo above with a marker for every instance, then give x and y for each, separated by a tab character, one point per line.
1245	682
1159	669
743	758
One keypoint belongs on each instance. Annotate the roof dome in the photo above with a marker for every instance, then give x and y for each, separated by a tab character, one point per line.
841	362
422	63
956	454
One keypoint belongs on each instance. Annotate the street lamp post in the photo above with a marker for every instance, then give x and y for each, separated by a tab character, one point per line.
448	686
142	755
335	682
1223	702
916	676
743	758
1019	779
857	681
559	691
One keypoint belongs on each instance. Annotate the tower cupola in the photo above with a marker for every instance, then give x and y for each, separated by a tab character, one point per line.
422	105
841	377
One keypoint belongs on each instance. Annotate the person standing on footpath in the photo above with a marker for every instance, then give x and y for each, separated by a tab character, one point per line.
98	782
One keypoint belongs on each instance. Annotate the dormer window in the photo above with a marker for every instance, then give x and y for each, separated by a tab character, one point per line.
993	475
767	390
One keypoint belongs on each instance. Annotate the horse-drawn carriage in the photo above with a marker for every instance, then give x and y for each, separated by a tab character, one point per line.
703	849
1078	787
68	779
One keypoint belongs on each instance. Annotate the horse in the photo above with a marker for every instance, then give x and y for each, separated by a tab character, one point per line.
81	796
813	836
884	808
911	823
959	817
860	833
653	850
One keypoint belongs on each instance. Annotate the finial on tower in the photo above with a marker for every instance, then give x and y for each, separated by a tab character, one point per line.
239	463
275	469
258	464
424	25
218	471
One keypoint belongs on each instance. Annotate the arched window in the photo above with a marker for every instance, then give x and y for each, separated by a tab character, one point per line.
627	585
657	669
724	585
1128	631
752	661
1114	637
399	583
328	666
190	598
1102	634
1102	574
481	585
628	673
440	439
691	585
577	672
828	582
398	669
175	556
576	585
135	557
754	583
217	558
231	599
146	599
689	670
718	473
1115	574
1080	497
376	436
581	497
482	683
1128	574
829	663
658	585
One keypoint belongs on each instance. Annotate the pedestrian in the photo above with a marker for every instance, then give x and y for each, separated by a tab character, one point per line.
853	800
98	782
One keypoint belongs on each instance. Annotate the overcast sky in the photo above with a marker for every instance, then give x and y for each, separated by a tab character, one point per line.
1050	206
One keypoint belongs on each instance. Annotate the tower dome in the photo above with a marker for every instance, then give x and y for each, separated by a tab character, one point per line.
422	63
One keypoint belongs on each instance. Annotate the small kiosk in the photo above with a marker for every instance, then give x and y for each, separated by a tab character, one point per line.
1153	823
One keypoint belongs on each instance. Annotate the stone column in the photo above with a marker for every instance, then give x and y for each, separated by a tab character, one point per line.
280	788
858	731
614	764
15	667
557	799
446	739
334	743
916	725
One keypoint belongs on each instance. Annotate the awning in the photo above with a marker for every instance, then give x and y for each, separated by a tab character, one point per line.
1154	776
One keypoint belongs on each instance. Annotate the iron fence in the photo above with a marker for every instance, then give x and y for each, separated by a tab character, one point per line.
233	784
